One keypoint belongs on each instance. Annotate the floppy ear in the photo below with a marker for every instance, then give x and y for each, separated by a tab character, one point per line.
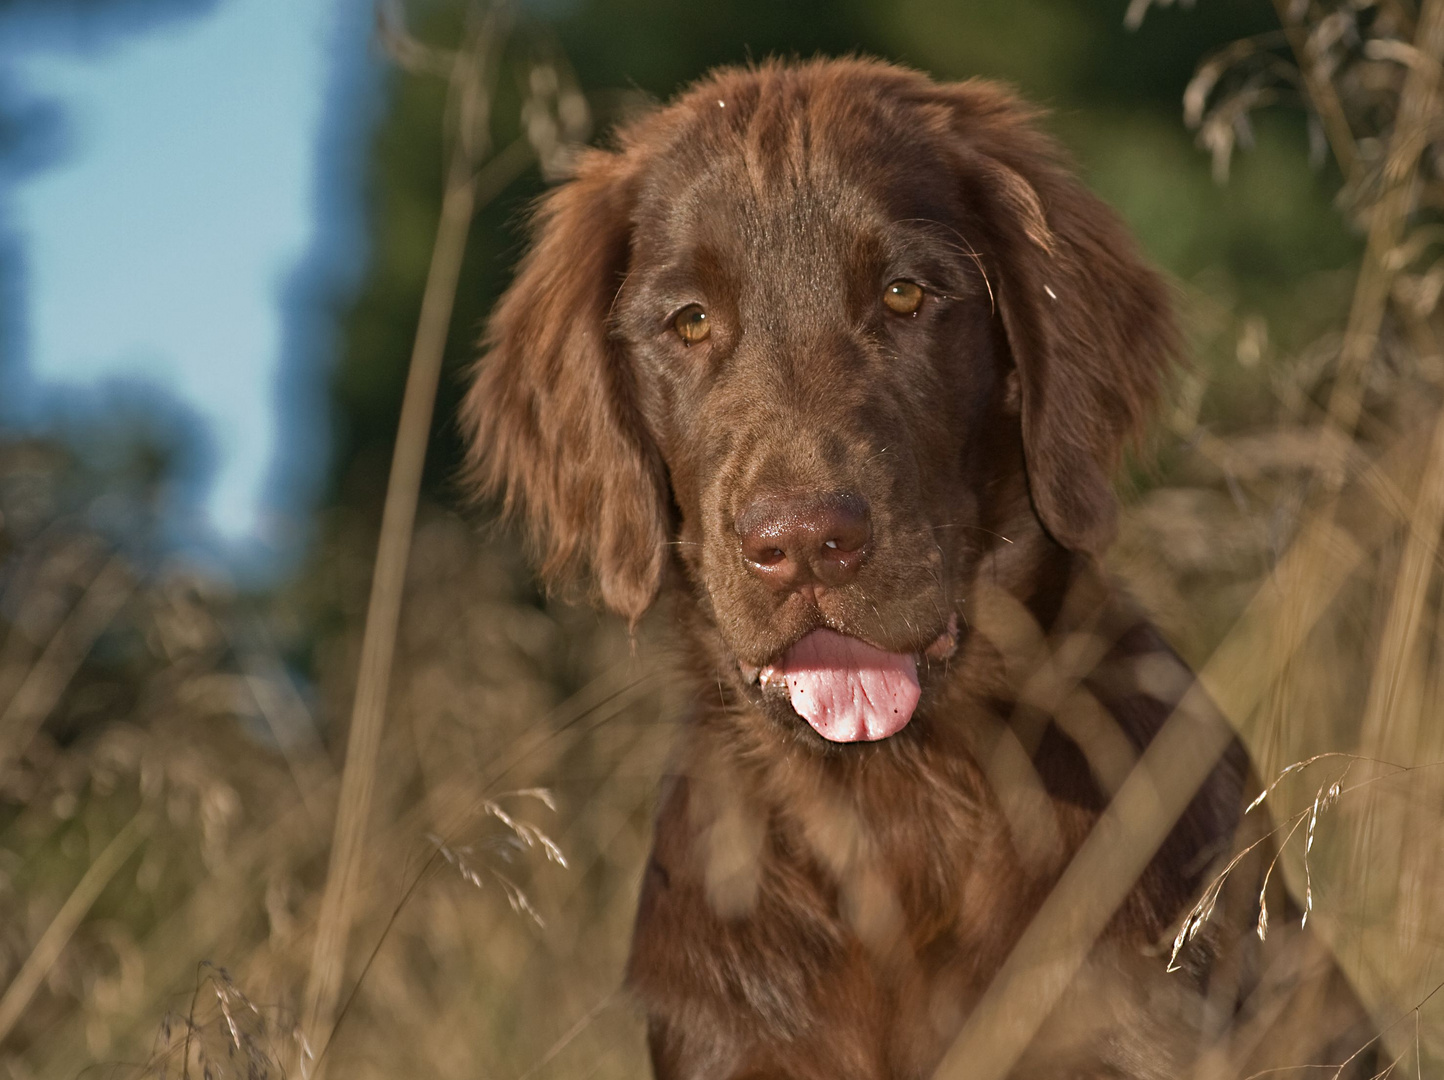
550	420
1090	325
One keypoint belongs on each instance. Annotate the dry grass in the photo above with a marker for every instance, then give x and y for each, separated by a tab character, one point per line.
169	790
487	948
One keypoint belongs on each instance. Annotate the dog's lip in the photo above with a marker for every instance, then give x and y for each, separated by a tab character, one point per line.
940	648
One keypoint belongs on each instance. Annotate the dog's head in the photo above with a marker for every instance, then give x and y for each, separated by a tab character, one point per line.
817	338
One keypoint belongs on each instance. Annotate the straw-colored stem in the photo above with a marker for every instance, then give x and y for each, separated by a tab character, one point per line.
473	69
47	950
1321	92
383	611
47	679
1387	217
1408	603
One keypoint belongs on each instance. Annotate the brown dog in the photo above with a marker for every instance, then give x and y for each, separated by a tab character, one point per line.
841	359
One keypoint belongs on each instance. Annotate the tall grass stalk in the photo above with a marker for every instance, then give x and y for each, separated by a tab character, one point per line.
473	71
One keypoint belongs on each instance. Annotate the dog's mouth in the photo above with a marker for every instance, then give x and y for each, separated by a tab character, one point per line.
846	689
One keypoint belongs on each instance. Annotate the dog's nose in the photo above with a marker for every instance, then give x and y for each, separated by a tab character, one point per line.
790	541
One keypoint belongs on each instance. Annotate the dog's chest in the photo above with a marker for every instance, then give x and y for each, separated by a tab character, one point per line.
881	907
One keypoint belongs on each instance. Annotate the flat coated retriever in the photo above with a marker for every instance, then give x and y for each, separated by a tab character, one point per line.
840	360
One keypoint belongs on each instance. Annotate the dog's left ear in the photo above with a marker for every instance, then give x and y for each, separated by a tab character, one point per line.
1090	325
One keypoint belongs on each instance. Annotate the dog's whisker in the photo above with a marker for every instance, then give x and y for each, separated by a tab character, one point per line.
975	528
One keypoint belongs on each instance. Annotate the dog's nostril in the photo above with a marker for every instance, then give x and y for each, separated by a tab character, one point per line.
793	540
847	543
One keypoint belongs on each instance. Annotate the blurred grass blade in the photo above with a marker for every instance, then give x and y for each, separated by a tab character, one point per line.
47	949
1413	120
51	674
384	609
1056	942
472	69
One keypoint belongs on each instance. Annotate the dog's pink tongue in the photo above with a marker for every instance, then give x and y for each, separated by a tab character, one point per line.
847	690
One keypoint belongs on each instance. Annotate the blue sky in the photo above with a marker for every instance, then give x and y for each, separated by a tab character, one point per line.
161	245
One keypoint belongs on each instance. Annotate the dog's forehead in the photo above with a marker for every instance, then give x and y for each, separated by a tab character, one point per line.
739	191
768	226
785	175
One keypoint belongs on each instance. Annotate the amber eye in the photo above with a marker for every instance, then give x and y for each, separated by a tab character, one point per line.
903	297
691	324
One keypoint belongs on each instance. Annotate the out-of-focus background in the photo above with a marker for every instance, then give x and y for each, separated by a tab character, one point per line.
217	223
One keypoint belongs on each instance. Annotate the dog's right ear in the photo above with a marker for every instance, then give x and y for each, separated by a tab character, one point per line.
550	420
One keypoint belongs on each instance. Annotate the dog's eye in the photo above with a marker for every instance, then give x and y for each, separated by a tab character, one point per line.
903	297
691	324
